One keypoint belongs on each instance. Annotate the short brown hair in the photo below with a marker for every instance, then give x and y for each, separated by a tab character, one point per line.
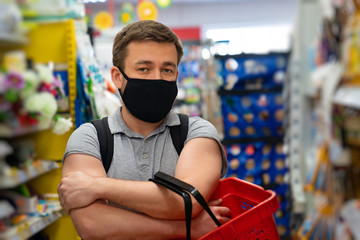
146	30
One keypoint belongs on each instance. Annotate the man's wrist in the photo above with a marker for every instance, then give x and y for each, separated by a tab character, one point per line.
99	187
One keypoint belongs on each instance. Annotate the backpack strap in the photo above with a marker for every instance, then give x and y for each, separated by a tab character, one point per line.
106	141
179	132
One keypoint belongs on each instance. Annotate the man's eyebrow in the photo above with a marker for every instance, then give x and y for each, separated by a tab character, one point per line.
146	62
171	64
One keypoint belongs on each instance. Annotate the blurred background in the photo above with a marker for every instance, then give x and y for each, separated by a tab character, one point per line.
279	79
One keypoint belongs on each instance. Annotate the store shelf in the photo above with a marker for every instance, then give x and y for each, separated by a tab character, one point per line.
7	39
348	96
20	176
8	132
30	227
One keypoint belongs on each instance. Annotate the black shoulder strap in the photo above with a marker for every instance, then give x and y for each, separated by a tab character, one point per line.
106	141
179	133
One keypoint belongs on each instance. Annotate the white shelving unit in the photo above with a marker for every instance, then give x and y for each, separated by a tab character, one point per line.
7	39
30	226
19	176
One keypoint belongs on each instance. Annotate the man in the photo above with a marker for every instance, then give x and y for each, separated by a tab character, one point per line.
123	204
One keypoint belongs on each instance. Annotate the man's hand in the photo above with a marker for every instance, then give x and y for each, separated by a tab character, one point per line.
77	190
203	223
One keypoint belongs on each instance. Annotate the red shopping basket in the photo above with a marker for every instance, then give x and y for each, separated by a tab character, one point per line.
252	210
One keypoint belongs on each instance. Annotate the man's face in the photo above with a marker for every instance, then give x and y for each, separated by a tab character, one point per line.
151	60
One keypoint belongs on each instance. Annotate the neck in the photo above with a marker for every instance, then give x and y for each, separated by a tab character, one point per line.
136	125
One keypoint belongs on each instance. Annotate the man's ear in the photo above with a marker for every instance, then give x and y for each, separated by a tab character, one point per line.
116	76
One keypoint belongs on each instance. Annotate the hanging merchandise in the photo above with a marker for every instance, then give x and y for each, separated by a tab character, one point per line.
103	20
190	82
319	225
147	10
95	96
126	15
319	177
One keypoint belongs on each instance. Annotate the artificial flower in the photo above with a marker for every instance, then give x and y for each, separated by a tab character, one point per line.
14	80
28	120
45	73
43	103
62	125
32	82
59	86
46	87
11	95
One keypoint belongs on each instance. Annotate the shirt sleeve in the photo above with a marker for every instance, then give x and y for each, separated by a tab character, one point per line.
199	127
83	141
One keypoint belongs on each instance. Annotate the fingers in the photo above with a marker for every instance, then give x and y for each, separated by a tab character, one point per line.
215	202
223	220
221	211
62	198
225	212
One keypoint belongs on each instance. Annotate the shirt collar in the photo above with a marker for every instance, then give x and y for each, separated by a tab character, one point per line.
117	124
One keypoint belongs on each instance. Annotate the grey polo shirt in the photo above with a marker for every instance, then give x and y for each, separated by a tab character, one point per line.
136	157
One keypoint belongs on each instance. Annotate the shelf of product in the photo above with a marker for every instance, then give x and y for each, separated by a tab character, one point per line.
11	30
30	225
12	39
253	116
332	112
347	96
38	91
23	210
12	177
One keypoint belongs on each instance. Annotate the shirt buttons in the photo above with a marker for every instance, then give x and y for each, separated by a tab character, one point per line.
145	156
144	167
146	140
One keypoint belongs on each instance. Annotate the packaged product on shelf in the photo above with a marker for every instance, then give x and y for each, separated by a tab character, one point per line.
252	115
251	72
350	212
259	160
190	82
96	98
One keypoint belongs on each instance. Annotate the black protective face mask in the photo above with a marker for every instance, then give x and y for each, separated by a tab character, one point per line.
149	100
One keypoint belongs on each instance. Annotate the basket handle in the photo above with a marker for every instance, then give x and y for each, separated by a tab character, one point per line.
187	203
188	188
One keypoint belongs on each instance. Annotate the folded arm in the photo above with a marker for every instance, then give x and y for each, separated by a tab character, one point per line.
199	165
98	220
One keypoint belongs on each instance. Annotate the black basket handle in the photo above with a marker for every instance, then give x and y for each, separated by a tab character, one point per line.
188	188
187	202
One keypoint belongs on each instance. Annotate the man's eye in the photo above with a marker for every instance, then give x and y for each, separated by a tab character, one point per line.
142	69
168	70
